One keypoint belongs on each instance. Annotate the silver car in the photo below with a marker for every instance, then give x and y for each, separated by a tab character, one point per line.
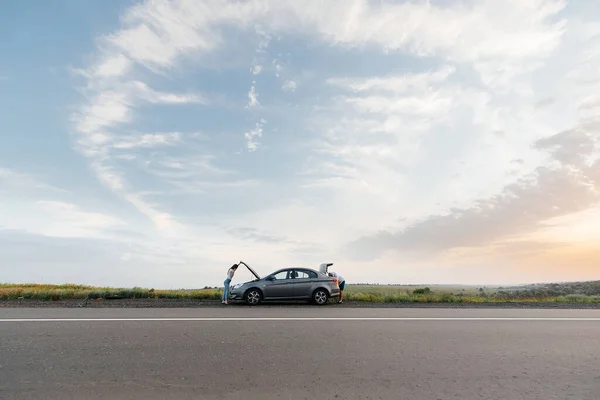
293	283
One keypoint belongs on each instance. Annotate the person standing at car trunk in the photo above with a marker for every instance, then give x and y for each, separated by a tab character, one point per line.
227	283
341	284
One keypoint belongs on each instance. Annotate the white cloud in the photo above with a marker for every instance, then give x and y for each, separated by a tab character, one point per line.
106	109
13	180
186	171
289	86
148	140
257	69
108	175
163	222
590	102
374	133
475	34
8	174
128	157
113	95
253	97
395	83
417	94
58	219
156	34
156	97
261	50
253	136
113	67
429	105
278	67
71	214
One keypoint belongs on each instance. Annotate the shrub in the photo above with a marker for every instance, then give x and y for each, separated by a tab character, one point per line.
577	298
422	291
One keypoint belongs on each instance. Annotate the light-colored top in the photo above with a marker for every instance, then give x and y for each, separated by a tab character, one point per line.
340	278
230	273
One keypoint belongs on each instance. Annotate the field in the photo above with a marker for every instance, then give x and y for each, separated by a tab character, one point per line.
72	291
579	292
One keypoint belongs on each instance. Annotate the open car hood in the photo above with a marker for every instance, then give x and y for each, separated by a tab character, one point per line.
250	269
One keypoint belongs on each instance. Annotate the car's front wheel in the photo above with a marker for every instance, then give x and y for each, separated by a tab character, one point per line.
253	297
320	297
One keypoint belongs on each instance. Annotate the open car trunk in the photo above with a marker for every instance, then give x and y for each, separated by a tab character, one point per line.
324	267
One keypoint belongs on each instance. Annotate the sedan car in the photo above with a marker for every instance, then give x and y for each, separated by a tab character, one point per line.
293	283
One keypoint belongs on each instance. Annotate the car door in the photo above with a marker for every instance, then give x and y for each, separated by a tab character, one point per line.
279	285
303	283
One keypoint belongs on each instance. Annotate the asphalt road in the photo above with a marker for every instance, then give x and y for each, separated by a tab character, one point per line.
279	353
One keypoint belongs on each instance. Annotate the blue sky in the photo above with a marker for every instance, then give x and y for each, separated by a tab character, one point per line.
156	143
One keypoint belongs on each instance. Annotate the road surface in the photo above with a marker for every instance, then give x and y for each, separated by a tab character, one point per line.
299	353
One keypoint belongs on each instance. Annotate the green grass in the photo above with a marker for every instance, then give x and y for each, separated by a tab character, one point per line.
358	293
459	294
69	291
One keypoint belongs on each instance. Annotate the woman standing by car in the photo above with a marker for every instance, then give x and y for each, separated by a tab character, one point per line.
230	274
341	284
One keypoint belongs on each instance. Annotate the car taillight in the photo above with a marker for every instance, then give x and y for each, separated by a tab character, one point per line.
335	281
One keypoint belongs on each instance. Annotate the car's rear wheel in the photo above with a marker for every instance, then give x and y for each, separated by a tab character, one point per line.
253	297
320	297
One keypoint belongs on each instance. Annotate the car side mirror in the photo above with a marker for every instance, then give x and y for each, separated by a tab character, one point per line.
270	278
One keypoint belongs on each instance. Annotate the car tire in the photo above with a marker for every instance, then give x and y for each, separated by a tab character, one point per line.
253	297
320	297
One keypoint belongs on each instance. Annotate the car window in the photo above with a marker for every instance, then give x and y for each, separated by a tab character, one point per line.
282	275
306	275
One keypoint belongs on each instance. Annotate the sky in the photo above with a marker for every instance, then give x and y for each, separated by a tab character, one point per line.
156	143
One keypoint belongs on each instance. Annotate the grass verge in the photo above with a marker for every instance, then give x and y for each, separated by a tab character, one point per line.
68	291
452	298
358	293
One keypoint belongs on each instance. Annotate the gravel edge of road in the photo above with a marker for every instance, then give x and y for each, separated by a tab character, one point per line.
168	303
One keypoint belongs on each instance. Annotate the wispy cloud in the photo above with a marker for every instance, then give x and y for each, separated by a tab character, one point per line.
256	69
156	97
11	179
254	234
110	66
289	86
253	136
590	103
186	171
253	97
113	95
395	83
56	218
376	125
71	214
149	140
264	40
